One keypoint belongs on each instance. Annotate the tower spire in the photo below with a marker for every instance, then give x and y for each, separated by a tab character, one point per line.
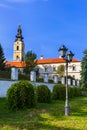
19	46
19	34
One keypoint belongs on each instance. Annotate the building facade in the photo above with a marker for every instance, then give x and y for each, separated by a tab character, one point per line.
50	66
45	66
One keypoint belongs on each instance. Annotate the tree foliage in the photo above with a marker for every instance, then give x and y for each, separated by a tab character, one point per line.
30	61
61	70
21	95
2	59
84	69
43	94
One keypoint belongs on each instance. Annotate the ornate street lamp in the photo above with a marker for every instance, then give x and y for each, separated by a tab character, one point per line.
67	56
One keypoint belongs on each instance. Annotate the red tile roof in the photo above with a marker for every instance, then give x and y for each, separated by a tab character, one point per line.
40	61
54	60
15	64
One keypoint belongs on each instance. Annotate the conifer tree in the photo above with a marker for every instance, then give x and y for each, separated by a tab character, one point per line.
84	69
2	59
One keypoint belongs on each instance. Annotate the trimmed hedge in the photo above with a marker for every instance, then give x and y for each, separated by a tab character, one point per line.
23	77
59	92
21	95
43	94
40	80
50	81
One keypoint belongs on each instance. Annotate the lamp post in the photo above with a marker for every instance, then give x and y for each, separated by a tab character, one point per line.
67	56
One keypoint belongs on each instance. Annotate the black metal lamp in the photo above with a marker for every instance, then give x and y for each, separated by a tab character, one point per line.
67	56
62	51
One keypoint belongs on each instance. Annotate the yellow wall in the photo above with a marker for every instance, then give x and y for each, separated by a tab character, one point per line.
19	52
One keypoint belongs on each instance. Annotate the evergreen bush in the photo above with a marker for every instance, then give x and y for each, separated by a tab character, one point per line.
43	94
21	95
83	91
58	92
50	81
40	80
71	92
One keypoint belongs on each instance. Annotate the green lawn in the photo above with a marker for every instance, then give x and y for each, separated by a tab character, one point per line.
45	116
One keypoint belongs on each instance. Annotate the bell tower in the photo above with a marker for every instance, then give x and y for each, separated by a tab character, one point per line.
19	46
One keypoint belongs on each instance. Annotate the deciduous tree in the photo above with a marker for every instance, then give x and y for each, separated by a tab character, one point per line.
61	70
30	61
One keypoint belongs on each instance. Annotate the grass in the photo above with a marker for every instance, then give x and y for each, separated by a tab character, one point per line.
45	116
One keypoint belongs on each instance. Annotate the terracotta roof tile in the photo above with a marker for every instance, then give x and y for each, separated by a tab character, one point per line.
16	64
54	60
40	61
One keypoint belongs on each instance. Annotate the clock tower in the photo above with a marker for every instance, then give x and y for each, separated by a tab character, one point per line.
19	46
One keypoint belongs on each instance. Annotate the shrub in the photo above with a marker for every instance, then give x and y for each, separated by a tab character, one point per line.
74	92
23	77
58	92
71	92
21	95
83	91
50	81
43	94
5	74
40	80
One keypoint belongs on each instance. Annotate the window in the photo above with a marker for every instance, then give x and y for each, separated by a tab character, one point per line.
17	47
45	69
17	58
54	68
73	68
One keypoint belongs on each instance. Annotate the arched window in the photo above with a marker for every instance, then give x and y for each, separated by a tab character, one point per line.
45	69
73	68
17	48
17	58
54	68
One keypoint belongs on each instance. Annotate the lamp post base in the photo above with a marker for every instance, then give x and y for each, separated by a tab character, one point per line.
67	110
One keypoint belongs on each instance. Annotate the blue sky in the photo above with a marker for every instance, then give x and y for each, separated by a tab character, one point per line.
46	25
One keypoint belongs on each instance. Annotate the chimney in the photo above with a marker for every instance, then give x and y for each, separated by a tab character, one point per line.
41	57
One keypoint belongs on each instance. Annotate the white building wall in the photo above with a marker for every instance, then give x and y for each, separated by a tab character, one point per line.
74	73
4	85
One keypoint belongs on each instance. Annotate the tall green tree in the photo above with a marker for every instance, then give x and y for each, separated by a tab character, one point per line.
30	61
84	69
2	59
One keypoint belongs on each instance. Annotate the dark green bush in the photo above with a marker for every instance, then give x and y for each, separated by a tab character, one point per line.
71	92
58	92
40	80
77	92
83	91
43	94
5	74
23	77
21	95
50	81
